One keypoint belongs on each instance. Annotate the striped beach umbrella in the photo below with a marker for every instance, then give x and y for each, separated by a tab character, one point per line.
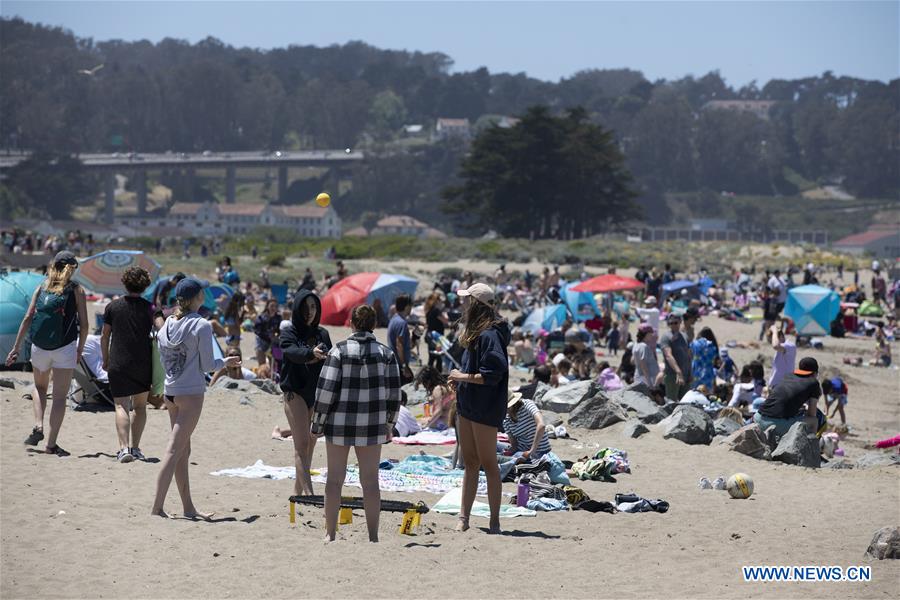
102	273
363	288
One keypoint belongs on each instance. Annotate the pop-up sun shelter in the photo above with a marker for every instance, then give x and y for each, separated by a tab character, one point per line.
363	288
581	304
545	317
812	308
16	290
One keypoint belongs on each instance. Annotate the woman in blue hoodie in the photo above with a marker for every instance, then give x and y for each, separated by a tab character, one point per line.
186	349
481	398
305	345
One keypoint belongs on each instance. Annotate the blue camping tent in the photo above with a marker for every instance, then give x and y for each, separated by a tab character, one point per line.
545	317
16	290
681	288
582	305
812	308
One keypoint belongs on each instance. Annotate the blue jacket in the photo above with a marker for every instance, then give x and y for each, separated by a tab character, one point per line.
486	404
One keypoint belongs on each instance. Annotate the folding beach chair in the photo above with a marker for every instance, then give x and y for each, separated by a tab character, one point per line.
92	389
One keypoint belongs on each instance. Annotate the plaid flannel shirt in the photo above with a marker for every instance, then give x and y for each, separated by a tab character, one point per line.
358	393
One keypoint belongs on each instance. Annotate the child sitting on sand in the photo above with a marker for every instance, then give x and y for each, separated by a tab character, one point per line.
440	397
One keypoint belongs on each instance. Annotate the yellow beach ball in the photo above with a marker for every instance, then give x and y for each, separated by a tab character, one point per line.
323	199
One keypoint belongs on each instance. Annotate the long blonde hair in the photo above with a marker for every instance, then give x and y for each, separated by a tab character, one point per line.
58	279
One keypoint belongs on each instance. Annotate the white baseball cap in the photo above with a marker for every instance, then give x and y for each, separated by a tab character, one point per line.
480	291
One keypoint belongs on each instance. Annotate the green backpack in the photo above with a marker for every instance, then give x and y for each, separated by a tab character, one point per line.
48	321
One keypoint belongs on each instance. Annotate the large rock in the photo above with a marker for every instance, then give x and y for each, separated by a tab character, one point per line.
645	409
688	424
877	459
597	412
749	440
267	385
551	419
726	426
227	383
565	398
413	395
799	446
838	464
885	544
6	382
540	391
634	429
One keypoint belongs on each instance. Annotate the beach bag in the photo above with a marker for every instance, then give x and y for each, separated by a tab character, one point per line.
49	319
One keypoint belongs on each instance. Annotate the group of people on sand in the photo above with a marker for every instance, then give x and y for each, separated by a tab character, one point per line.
348	392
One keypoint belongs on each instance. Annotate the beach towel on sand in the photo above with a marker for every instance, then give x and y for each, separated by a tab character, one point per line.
429	437
451	504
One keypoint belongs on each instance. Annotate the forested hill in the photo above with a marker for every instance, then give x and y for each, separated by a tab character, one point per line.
210	96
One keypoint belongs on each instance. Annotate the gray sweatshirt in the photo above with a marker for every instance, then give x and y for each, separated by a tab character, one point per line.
186	350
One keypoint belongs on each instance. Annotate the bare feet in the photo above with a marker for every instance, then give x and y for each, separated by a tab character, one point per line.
276	433
199	516
463	524
328	539
158	512
494	529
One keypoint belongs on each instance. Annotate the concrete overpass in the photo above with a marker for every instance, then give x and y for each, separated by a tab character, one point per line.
138	164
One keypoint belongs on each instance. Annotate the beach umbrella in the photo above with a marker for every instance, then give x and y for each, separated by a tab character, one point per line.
682	287
545	317
705	283
363	288
102	273
812	308
16	290
581	304
604	284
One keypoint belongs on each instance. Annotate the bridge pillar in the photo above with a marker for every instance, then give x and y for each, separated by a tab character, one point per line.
110	206
189	184
229	185
141	190
282	183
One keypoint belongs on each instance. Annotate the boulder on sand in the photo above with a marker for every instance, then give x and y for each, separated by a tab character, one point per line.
634	429
725	426
565	398
597	412
641	405
551	419
227	383
877	459
749	440
799	446
688	424
267	385
885	544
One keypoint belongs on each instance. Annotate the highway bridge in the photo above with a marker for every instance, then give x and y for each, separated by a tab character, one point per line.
136	166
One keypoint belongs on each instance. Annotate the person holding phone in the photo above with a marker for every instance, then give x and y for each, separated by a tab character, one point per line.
186	348
304	344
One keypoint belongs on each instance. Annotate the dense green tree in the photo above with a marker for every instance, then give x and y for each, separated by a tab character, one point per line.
546	177
49	183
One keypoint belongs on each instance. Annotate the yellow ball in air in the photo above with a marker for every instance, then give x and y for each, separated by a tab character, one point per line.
323	199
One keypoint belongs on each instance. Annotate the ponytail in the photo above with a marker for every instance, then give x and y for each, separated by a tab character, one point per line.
59	278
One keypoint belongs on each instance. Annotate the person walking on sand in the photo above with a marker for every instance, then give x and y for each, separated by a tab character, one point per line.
186	348
357	404
481	398
127	358
305	345
56	322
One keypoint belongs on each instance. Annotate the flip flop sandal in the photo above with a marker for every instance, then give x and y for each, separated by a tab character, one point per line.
57	451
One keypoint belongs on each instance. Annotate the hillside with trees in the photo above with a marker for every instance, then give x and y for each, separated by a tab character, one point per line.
181	97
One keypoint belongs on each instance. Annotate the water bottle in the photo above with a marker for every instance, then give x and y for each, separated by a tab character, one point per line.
523	493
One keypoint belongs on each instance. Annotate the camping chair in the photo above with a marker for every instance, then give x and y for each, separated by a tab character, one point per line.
92	389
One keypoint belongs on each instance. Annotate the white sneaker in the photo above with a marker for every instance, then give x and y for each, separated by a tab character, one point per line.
137	454
124	456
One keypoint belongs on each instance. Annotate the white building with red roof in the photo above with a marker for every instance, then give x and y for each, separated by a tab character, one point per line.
210	218
882	241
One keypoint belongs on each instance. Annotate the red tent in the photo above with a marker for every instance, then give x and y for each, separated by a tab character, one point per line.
607	283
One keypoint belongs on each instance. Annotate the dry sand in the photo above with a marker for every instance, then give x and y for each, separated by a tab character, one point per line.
106	545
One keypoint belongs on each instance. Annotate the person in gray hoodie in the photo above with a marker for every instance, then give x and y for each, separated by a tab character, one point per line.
186	349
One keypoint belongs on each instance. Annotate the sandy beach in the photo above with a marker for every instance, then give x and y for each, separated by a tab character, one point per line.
79	527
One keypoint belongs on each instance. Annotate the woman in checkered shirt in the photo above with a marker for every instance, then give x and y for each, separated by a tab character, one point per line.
357	403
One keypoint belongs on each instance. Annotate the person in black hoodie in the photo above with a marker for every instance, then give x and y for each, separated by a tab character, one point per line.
305	345
481	398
